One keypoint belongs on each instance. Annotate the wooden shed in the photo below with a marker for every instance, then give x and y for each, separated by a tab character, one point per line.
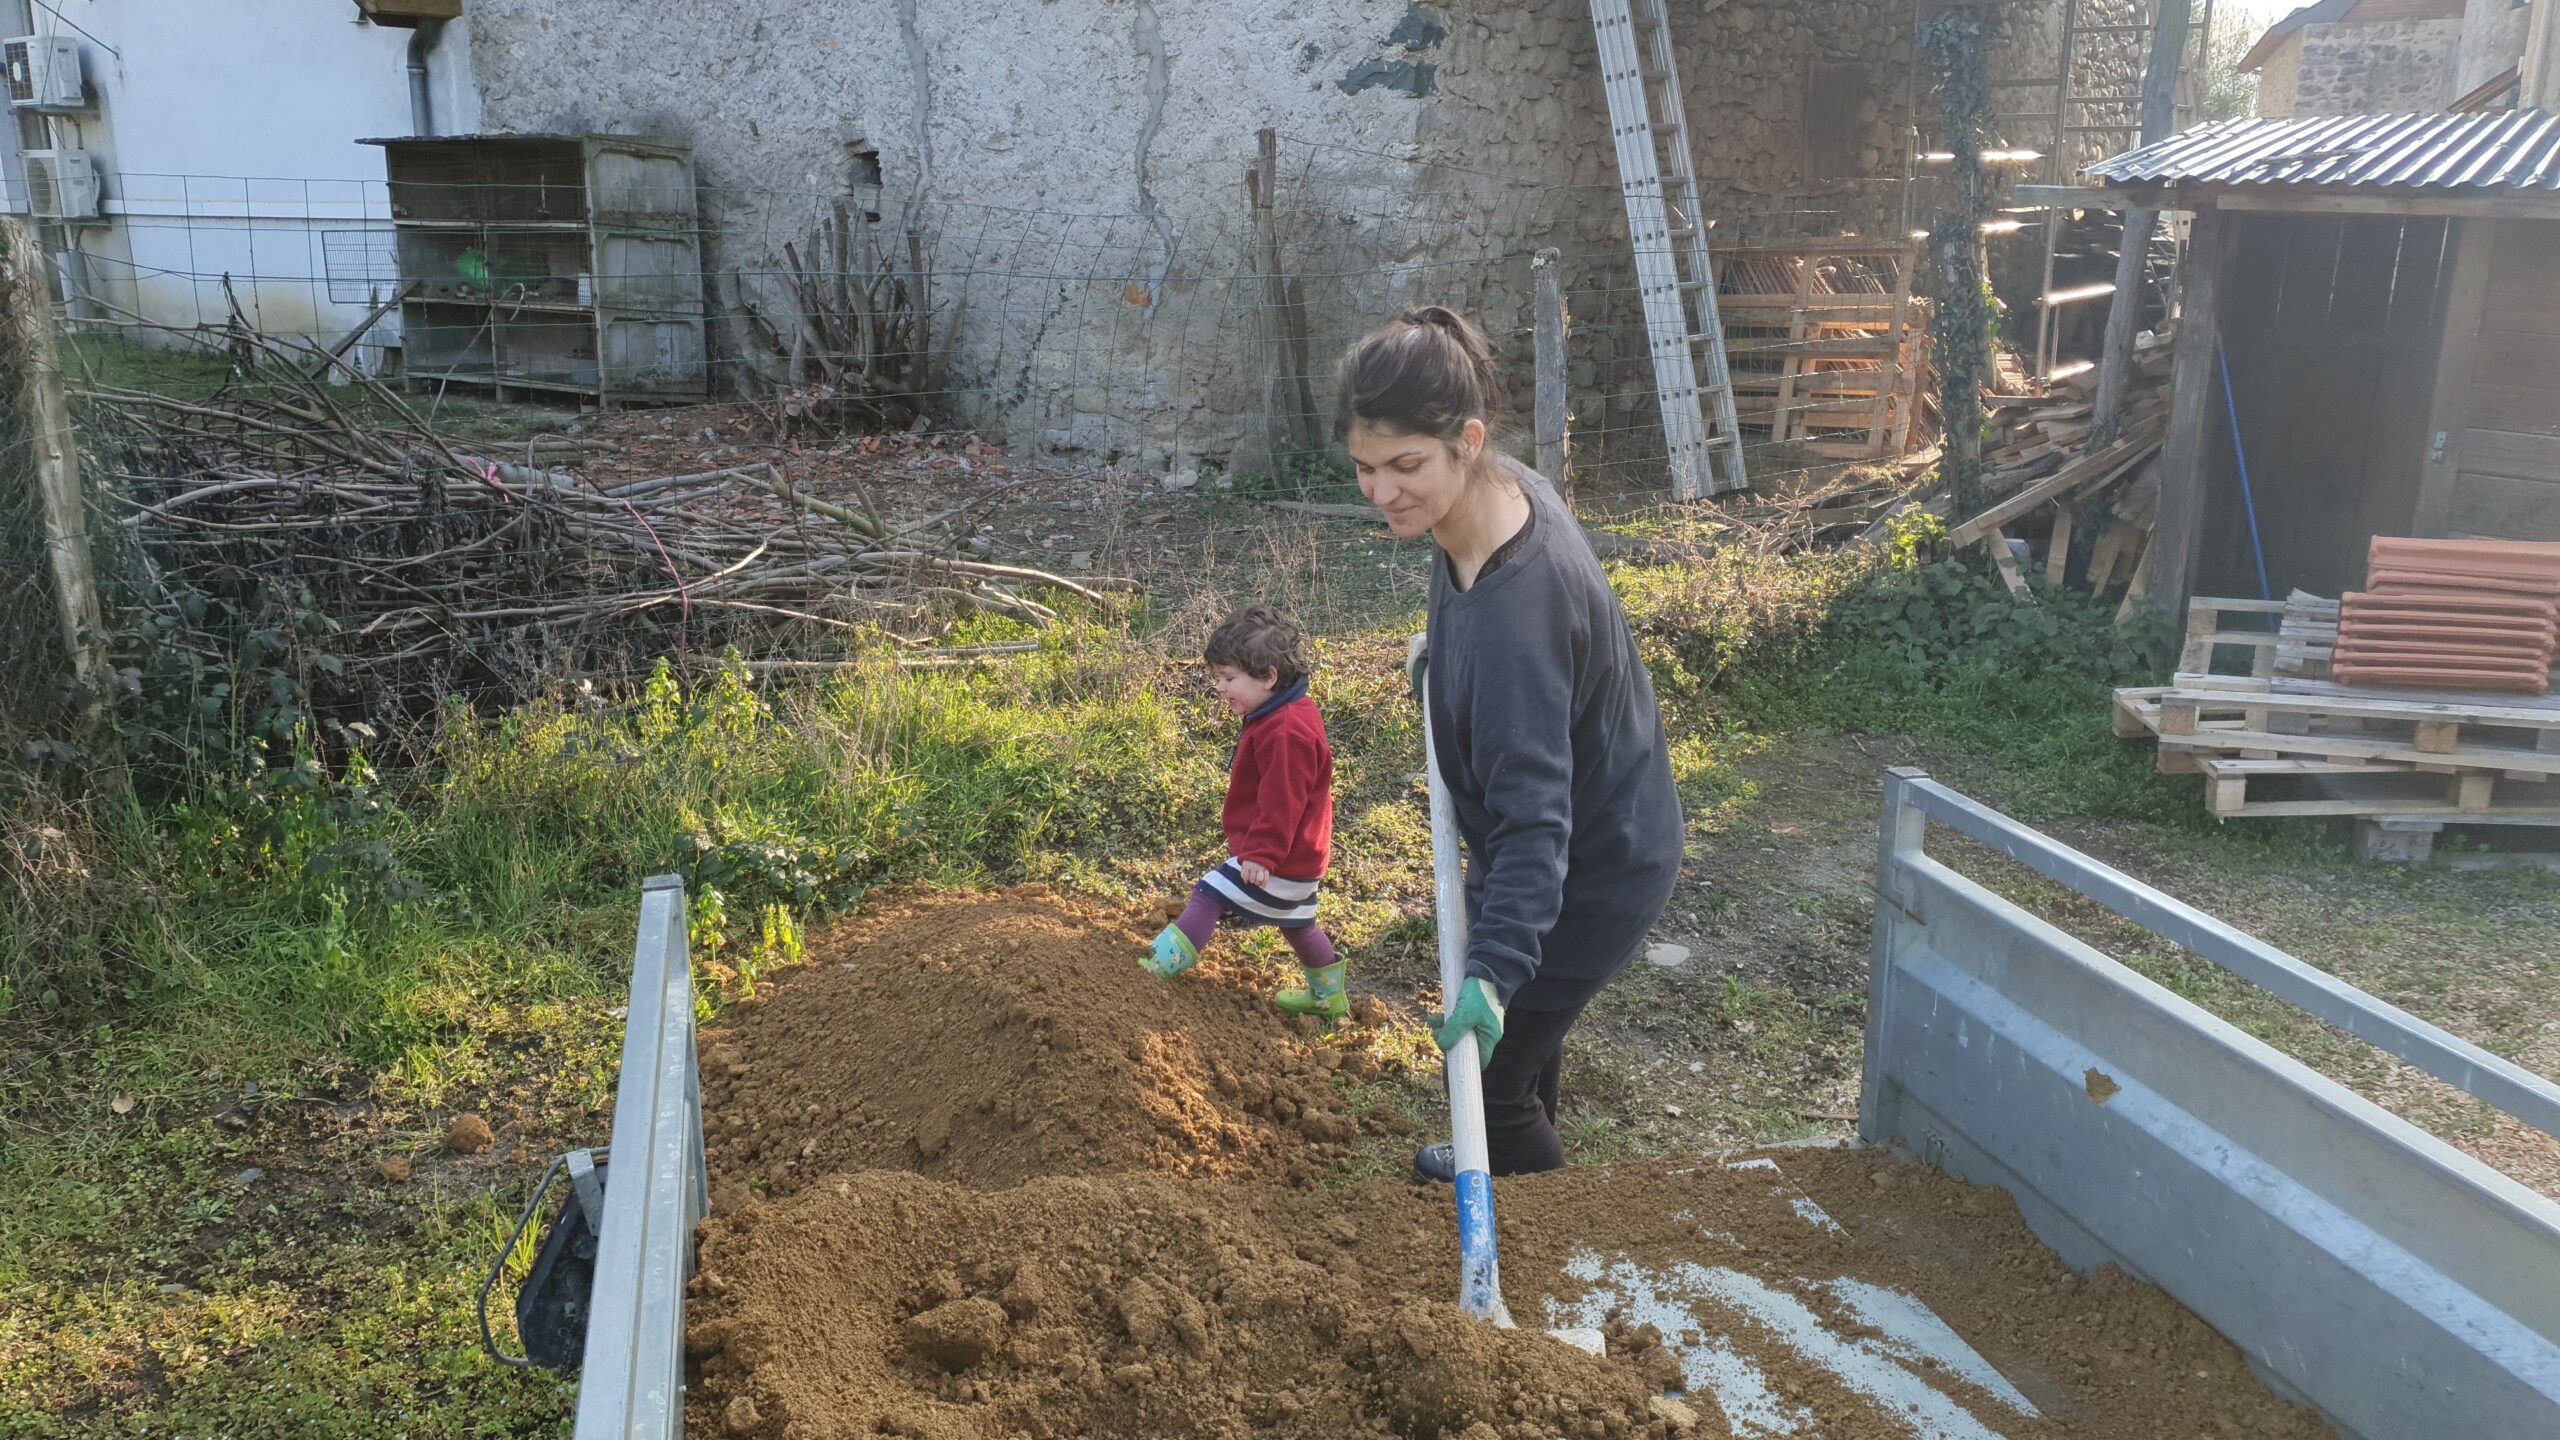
2385	292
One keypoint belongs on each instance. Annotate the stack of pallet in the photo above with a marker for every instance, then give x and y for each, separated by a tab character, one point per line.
1827	344
2295	737
2464	614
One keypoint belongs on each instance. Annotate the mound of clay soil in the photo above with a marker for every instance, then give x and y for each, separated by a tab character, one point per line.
990	1038
884	1304
1011	1188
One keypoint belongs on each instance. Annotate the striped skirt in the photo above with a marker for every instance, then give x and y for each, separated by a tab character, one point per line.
1289	904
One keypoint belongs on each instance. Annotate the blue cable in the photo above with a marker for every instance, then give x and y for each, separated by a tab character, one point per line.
2239	453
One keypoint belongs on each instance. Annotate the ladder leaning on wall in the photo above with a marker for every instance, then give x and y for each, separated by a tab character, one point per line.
1666	224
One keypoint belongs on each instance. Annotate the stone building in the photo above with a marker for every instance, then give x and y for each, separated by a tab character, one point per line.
1072	172
1080	168
2361	57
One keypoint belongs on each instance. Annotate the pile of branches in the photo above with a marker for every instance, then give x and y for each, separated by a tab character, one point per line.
850	342
329	537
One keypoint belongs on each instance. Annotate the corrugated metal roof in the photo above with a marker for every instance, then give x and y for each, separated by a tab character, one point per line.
2497	151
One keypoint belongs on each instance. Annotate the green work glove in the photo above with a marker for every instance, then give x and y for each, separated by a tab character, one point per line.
1417	663
1476	1010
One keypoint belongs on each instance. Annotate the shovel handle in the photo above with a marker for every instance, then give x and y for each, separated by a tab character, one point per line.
1480	1273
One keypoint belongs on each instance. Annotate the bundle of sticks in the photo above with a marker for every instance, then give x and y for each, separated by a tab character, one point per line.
401	566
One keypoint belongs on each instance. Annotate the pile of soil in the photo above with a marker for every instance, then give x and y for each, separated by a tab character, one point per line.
986	1039
884	1304
976	1177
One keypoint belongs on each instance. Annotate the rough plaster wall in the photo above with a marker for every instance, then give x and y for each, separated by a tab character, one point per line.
1103	145
2279	79
2397	67
2492	41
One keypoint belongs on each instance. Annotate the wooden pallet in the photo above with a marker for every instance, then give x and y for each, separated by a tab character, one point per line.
2360	793
2409	762
2292	636
2434	738
1829	346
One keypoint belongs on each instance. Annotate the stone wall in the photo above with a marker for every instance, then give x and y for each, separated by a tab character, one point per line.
2279	77
1077	169
2392	67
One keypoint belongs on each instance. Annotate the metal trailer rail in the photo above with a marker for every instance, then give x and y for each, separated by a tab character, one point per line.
631	1384
2406	1289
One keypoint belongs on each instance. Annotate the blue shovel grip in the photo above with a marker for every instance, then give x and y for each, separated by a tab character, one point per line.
1480	1283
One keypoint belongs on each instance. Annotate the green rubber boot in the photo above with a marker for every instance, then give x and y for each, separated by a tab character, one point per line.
1322	995
1171	954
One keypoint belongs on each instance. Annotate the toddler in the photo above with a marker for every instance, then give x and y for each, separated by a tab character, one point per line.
1279	813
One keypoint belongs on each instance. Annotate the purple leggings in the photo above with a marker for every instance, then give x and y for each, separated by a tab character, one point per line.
1312	946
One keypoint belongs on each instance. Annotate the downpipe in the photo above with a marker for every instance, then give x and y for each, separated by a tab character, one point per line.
422	95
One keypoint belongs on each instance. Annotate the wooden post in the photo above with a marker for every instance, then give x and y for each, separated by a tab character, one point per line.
1550	414
26	297
2177	535
1963	420
2159	114
1288	398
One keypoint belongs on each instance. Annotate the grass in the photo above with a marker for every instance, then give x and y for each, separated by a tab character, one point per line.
374	955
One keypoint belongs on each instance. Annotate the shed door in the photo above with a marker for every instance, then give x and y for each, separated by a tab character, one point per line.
2497	413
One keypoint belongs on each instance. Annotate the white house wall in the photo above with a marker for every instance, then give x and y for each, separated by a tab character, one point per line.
225	136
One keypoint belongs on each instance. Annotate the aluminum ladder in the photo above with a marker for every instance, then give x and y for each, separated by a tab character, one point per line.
1666	224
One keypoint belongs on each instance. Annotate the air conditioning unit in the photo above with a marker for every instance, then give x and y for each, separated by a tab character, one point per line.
62	185
44	72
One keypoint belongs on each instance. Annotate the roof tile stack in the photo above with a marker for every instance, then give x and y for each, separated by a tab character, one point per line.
2452	615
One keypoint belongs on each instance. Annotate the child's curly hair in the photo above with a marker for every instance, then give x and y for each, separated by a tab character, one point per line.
1259	640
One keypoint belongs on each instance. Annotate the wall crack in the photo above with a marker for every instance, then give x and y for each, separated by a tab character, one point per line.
1149	38
920	69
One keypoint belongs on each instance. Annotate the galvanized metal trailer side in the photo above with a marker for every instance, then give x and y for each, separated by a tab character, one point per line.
2405	1288
631	1384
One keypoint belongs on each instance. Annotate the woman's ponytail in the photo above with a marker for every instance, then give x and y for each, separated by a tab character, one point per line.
1427	372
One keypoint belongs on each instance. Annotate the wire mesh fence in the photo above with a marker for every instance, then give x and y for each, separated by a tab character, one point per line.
1118	337
908	416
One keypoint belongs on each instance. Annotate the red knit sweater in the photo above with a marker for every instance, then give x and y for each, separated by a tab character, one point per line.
1280	792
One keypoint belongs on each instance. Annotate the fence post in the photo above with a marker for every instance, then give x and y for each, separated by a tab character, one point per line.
26	299
1288	399
1550	412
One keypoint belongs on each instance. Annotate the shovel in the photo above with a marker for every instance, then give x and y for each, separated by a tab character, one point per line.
1479	1268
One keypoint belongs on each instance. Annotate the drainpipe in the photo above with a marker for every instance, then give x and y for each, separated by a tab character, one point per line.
422	101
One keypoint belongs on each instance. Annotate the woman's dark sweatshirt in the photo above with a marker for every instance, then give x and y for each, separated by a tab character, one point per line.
1551	745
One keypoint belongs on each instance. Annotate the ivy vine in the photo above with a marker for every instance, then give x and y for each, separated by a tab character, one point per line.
1965	325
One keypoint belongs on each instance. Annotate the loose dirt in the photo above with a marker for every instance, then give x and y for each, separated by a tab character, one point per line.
989	1039
975	1175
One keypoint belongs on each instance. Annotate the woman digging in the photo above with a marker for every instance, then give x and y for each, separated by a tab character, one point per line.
1544	719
